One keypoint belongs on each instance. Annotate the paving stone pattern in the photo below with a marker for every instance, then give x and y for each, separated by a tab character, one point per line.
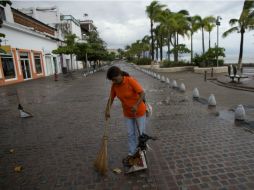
196	148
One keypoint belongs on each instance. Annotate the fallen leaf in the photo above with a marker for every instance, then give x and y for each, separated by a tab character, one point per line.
117	170
18	168
11	150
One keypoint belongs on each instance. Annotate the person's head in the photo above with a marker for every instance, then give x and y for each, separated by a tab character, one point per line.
115	74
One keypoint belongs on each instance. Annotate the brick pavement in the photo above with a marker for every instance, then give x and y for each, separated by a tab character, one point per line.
197	149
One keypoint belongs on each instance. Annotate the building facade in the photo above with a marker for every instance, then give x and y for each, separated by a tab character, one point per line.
27	46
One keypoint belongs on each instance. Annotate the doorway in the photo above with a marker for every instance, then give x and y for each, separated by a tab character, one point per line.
25	66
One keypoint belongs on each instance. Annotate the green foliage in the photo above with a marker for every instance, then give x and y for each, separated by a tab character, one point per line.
180	48
167	63
142	61
70	46
209	58
4	2
2	35
94	49
136	49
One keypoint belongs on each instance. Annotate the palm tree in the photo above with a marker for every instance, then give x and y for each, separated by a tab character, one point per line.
193	28
152	11
202	23
209	27
179	26
165	23
246	21
145	41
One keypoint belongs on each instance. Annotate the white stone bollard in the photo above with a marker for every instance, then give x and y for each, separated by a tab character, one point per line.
211	100
158	77
167	81
195	93
240	113
182	87
162	79
174	84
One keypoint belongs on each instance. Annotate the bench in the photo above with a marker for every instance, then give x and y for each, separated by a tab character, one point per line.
232	74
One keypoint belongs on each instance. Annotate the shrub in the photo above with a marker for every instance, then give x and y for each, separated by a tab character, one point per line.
143	61
209	58
167	63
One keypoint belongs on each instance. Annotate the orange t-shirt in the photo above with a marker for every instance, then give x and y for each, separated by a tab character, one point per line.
128	93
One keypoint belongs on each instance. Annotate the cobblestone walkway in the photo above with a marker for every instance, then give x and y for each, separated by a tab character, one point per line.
197	149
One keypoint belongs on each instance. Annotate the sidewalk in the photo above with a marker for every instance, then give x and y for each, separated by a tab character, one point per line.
196	148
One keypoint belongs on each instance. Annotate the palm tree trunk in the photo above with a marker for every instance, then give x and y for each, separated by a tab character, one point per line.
203	41
71	63
169	49
152	49
191	48
209	39
161	47
175	53
177	42
241	51
157	50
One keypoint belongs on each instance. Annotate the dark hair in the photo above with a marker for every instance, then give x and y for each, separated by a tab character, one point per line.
114	72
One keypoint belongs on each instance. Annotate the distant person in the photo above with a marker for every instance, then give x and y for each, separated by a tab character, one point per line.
131	95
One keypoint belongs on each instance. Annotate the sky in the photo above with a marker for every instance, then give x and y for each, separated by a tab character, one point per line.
122	22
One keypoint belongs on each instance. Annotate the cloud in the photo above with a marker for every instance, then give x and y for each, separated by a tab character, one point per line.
123	22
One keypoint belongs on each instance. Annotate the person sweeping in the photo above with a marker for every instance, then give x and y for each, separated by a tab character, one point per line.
131	94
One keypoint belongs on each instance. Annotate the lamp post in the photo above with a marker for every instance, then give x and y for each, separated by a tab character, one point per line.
218	24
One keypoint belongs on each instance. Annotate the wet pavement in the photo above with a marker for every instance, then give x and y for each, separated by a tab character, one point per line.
197	147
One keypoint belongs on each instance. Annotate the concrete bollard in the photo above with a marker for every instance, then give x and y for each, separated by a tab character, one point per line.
195	93
167	81
211	100
174	84
163	79
182	87
158	77
240	113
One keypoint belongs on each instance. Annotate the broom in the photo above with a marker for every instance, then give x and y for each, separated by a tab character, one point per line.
101	162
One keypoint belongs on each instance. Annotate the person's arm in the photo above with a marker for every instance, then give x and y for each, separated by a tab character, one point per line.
141	99
109	104
138	89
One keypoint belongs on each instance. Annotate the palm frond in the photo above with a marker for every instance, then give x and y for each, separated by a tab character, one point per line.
231	30
233	21
184	12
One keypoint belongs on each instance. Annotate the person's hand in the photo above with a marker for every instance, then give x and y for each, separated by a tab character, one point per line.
134	109
107	114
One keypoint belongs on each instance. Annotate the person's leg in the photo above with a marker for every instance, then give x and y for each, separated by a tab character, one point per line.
132	139
141	121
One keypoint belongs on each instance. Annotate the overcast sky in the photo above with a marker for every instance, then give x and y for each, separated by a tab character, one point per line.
123	22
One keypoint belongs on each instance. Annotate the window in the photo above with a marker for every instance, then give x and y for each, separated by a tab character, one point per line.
8	66
2	14
37	62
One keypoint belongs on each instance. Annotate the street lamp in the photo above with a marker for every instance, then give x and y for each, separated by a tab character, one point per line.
218	24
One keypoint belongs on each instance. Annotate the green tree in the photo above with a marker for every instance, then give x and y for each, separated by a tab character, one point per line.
81	52
69	48
193	27
152	12
202	24
245	22
209	27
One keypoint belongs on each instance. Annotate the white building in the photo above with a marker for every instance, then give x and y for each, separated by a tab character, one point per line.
64	24
29	43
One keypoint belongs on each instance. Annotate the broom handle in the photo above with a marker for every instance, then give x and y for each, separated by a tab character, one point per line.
107	120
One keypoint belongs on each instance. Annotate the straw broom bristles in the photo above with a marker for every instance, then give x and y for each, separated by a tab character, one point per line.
101	162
